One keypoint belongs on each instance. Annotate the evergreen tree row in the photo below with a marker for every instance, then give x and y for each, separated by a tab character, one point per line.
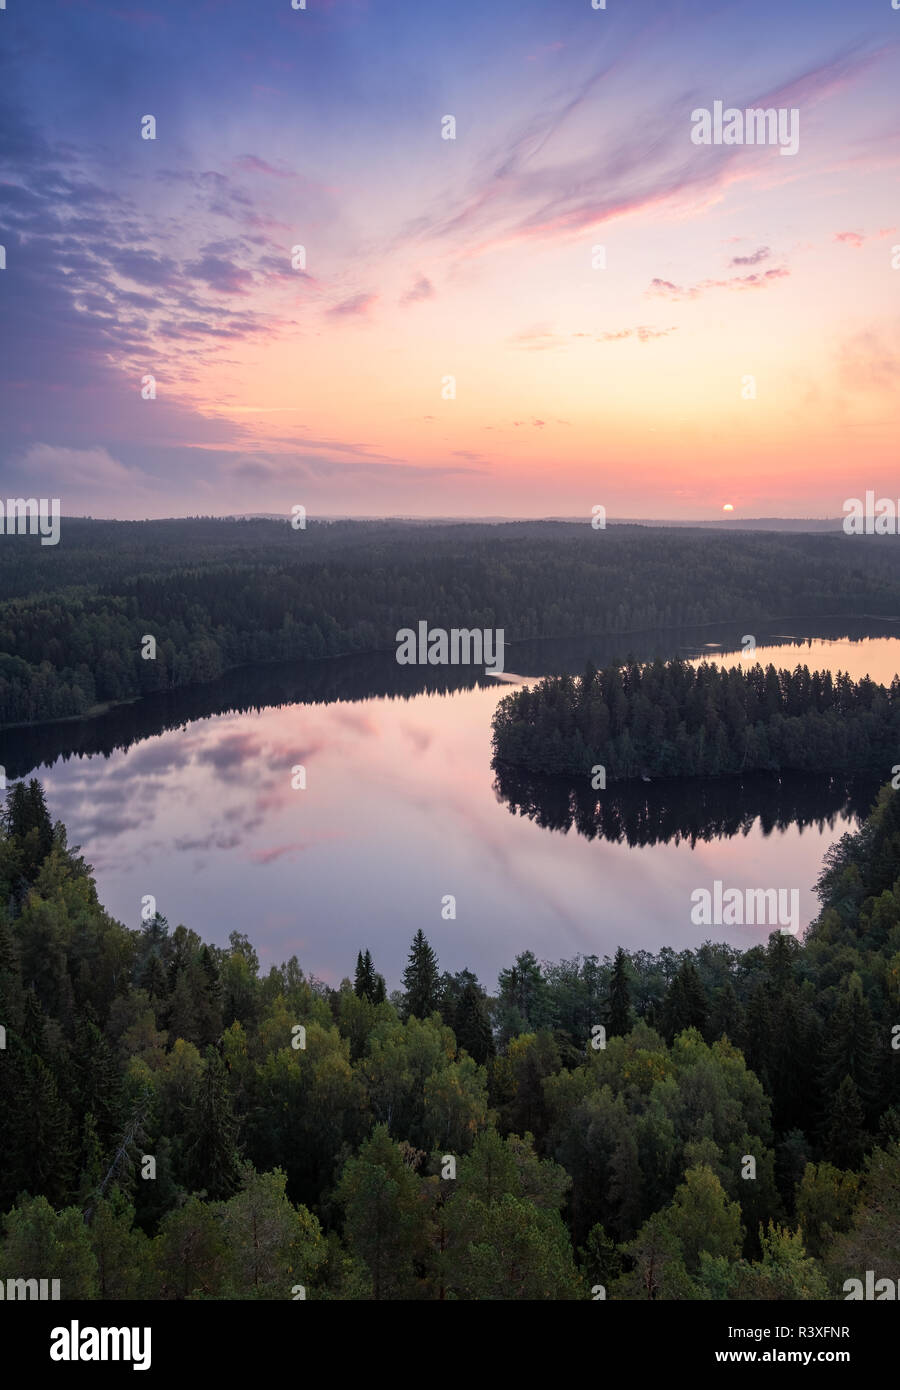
672	719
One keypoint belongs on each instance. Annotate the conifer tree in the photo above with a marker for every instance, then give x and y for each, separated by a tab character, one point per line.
619	997
851	1047
420	979
211	1157
845	1138
685	1003
471	1025
364	981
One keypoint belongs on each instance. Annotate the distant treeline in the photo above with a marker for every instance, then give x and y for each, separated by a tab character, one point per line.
219	594
671	719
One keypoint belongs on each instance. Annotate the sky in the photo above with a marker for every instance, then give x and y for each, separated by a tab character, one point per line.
569	303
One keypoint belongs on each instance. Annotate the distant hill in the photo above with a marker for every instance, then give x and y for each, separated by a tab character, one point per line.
762	523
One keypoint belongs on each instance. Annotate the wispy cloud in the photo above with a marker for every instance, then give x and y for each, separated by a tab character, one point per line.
422	289
357	306
665	289
754	258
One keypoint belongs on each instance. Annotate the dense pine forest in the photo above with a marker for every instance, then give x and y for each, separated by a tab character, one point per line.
219	594
670	719
176	1124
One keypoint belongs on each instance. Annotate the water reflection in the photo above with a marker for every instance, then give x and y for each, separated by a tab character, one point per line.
634	813
189	797
248	689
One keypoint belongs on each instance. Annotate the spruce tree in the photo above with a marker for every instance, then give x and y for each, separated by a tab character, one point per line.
471	1025
845	1136
420	979
211	1157
685	1003
619	997
155	981
852	1048
726	1017
364	984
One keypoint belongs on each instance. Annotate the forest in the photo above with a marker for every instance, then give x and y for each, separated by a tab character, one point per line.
671	719
710	1124
217	594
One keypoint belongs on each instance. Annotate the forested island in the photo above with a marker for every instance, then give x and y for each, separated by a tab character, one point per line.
672	719
217	594
176	1124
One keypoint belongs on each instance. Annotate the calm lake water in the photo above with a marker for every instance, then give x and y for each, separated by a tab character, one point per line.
189	797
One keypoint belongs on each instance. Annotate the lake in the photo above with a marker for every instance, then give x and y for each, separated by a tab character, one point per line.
190	797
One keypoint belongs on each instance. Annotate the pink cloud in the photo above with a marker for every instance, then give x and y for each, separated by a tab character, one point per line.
422	289
642	333
665	289
357	306
252	164
540	338
753	259
269	856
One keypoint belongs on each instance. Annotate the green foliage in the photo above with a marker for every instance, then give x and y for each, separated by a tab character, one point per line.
271	1246
319	1166
41	1243
872	1240
386	1216
826	1200
211	1158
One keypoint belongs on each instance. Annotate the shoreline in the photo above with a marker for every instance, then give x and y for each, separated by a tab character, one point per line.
99	710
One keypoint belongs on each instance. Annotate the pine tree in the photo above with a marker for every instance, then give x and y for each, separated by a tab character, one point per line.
524	1002
154	979
181	1013
420	979
471	1025
38	1156
852	1047
11	995
619	997
685	1003
207	987
33	1026
845	1138
364	984
28	821
96	1084
211	1157
726	1017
